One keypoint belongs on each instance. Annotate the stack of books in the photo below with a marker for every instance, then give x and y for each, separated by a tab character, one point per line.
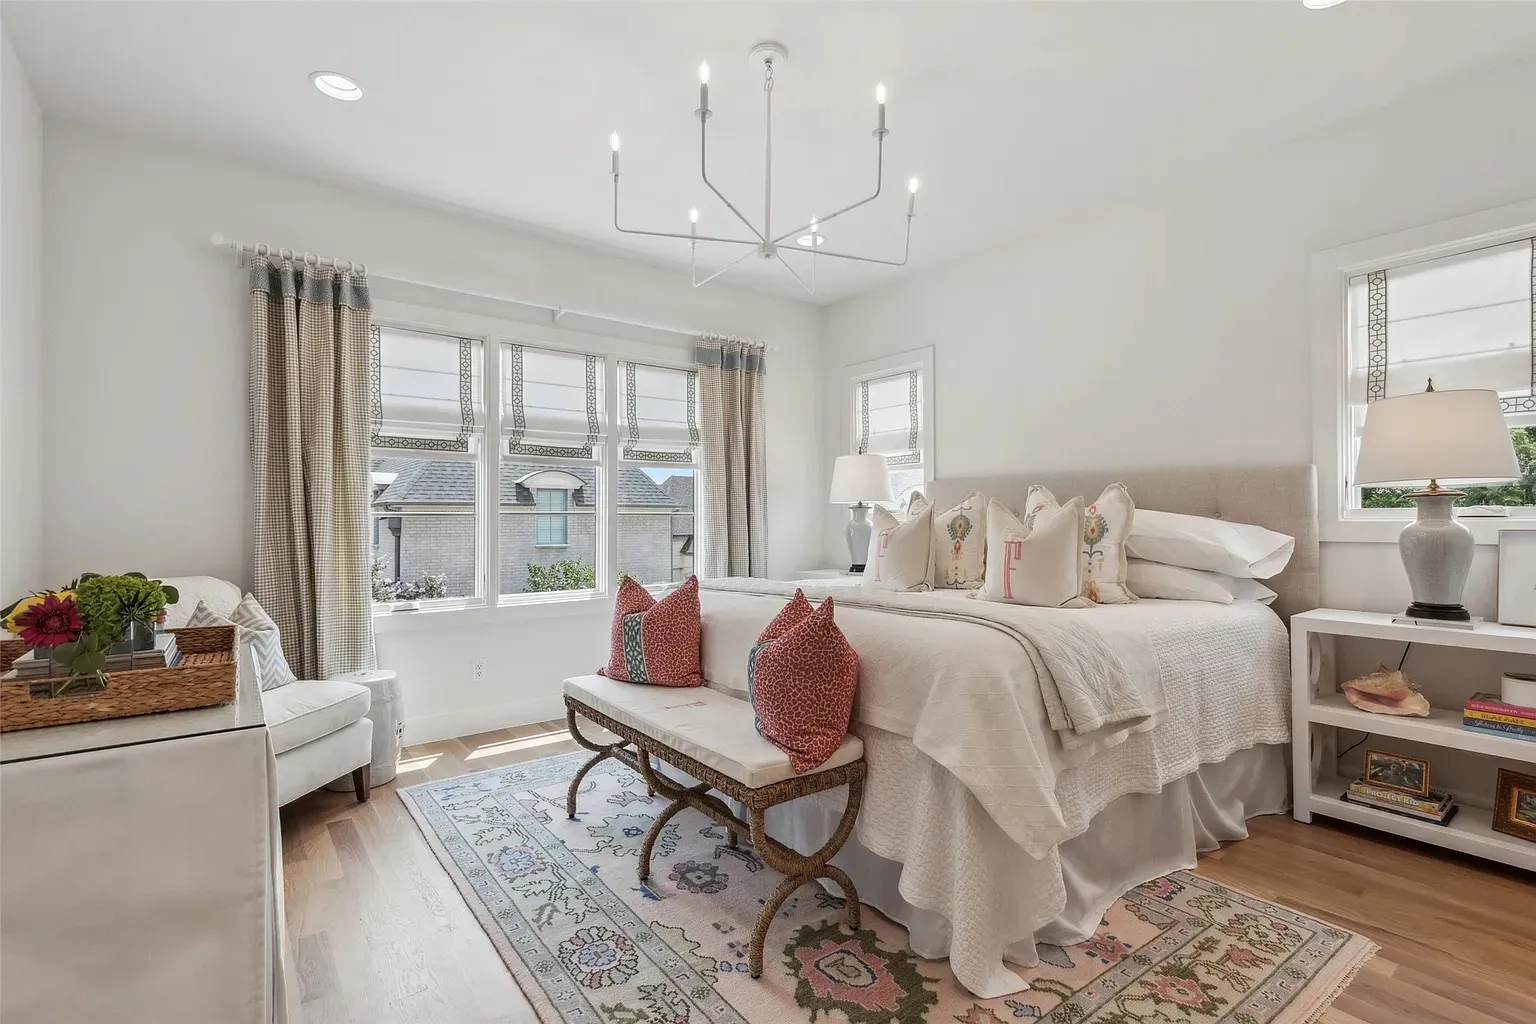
1437	807
1486	712
36	664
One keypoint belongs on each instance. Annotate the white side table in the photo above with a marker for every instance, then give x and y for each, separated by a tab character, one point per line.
387	711
1316	704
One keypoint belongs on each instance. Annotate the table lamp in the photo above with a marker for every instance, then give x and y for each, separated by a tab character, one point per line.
1439	437
857	479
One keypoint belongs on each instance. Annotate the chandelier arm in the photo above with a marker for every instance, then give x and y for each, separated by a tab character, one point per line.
906	250
667	234
810	288
879	184
704	173
697	283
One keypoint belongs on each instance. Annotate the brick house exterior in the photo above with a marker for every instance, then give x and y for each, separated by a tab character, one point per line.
424	521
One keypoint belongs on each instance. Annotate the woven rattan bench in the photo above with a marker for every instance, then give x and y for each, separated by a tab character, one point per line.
712	737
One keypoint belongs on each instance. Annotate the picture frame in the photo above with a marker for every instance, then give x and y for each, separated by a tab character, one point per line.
1397	771
1517	577
1514	806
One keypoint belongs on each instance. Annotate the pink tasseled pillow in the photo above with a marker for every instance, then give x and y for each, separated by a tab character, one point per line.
656	641
802	675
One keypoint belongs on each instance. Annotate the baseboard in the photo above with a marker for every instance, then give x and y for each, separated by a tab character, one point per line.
445	725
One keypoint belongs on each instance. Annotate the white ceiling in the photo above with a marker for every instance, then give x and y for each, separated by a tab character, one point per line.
1014	115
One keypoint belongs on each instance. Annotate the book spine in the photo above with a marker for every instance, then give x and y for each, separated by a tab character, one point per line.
1490	716
1483	702
1376	794
1434	818
1499	729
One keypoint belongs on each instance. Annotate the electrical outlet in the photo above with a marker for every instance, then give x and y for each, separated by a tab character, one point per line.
479	671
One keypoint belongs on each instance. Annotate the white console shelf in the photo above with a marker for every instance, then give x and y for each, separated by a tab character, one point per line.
1315	700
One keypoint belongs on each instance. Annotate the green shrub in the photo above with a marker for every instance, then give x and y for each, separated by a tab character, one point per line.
566	574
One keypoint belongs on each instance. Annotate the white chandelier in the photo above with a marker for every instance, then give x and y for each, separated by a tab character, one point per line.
765	243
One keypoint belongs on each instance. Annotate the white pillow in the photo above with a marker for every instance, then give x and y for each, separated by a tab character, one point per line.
1176	583
959	544
1106	524
1041	566
900	554
1215	545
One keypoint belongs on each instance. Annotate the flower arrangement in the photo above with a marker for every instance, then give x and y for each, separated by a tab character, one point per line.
78	624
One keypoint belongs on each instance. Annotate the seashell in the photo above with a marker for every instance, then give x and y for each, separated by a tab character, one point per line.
1386	692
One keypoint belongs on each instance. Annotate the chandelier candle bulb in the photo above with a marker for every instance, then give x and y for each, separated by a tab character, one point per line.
613	140
880	101
911	195
704	87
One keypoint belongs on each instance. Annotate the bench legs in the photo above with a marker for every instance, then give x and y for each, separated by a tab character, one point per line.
604	750
797	868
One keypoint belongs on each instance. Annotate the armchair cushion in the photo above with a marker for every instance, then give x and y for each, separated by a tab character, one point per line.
305	711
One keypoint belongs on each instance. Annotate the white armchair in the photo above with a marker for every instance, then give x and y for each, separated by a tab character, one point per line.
320	729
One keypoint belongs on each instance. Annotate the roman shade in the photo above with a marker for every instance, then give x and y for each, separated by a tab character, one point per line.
1464	320
889	417
659	415
552	402
424	391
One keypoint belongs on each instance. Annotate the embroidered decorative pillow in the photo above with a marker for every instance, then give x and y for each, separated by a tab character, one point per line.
655	641
900	554
1106	525
1042	567
802	683
253	627
960	544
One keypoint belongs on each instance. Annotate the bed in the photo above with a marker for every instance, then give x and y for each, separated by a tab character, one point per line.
984	830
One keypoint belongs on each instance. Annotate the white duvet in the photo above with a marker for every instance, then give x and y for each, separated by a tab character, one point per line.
964	764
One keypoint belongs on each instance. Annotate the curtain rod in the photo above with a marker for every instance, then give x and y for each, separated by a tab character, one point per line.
556	312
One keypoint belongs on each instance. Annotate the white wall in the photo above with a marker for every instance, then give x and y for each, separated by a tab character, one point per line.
1173	330
148	336
21	330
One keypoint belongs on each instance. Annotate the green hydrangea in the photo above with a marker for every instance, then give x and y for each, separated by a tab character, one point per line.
109	603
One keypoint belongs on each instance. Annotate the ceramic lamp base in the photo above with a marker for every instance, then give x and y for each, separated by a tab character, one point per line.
1437	555
857	532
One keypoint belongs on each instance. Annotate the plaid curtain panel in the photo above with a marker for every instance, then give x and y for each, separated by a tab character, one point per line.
733	520
310	329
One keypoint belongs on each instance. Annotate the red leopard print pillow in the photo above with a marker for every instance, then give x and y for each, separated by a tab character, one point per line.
656	641
791	615
802	684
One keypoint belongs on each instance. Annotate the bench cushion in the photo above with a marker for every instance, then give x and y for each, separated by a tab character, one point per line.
711	727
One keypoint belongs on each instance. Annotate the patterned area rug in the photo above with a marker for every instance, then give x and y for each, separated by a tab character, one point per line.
589	943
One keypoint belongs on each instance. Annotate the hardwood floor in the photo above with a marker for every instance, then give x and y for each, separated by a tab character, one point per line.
379	934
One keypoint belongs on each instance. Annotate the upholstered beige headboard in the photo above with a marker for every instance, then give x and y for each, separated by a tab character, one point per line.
1279	498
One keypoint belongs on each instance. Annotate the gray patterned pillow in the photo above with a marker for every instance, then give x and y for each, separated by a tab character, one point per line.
254	627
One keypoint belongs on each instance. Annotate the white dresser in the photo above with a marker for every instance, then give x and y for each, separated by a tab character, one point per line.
142	877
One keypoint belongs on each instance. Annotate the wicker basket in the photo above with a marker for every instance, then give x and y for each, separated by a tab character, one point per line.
205	676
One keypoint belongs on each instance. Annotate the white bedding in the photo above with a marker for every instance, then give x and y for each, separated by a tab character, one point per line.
969	787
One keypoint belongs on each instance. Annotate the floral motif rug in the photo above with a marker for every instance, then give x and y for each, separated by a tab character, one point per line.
589	943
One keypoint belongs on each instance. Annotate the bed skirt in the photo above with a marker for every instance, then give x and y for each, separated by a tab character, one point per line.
1135	838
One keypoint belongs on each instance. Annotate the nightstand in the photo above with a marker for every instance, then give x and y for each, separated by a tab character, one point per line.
1315	701
825	574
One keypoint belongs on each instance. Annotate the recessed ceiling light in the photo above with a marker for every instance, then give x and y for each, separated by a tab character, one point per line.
337	86
1318	5
809	241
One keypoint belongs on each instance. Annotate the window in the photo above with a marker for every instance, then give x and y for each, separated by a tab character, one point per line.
554	421
1463	319
427	427
888	415
507	466
657	473
551	531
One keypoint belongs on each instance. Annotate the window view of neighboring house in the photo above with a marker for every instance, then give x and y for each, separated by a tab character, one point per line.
425	516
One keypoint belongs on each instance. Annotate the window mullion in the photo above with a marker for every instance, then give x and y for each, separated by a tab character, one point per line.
608	518
490	473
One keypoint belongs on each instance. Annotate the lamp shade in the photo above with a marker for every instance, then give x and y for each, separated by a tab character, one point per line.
857	478
1447	436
